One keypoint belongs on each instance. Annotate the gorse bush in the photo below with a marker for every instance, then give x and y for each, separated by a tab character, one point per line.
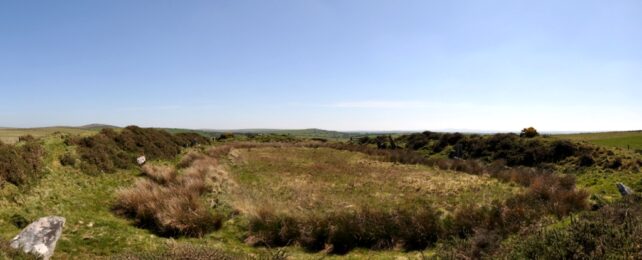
168	204
109	150
21	163
529	132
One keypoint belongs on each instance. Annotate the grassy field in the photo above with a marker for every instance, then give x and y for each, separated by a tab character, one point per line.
10	135
316	180
626	140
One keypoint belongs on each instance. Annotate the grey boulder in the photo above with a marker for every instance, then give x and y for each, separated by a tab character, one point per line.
40	237
624	190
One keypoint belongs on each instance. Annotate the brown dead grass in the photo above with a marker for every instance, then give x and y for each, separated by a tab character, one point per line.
171	204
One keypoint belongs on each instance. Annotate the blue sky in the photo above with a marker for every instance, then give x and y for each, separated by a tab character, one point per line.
344	65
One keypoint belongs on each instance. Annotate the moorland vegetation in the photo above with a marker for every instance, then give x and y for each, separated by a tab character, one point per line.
243	187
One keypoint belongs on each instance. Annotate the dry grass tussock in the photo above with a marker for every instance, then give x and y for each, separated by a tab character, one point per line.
169	203
159	174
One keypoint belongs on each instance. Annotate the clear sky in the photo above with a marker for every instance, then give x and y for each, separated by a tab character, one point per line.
344	65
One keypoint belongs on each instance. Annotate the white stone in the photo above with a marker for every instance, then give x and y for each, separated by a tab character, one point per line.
40	237
141	160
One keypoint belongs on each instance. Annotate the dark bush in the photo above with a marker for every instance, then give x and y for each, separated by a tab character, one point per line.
26	138
416	141
19	221
21	164
586	161
225	136
561	149
67	159
615	164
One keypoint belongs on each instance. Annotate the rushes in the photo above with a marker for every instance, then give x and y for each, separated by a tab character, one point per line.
168	204
339	232
159	174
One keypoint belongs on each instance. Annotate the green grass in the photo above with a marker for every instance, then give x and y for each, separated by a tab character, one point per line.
602	183
10	135
626	140
91	229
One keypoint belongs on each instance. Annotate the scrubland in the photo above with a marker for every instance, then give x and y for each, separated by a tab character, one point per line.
425	195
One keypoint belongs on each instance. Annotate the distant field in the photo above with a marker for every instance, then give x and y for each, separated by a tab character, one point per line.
632	139
304	180
10	135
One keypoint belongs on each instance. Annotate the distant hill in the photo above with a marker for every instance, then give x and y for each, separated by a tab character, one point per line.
98	126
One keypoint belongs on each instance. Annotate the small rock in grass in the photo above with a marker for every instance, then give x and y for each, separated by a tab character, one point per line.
624	190
141	160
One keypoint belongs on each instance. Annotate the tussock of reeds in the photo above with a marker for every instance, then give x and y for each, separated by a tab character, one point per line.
169	204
